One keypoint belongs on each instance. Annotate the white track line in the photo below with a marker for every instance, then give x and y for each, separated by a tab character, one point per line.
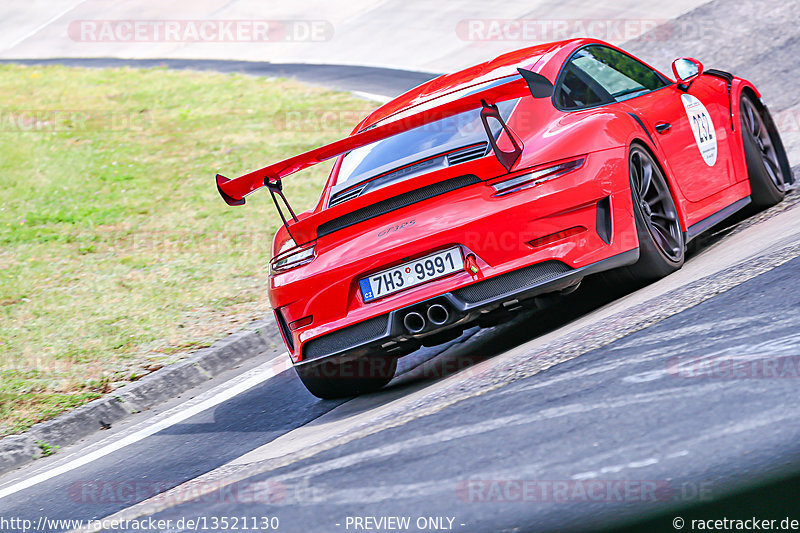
372	96
213	397
40	27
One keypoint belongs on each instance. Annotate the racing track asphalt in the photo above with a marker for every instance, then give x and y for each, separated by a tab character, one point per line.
383	82
183	451
615	412
626	411
548	427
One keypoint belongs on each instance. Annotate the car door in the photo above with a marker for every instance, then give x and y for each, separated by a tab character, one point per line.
683	127
692	129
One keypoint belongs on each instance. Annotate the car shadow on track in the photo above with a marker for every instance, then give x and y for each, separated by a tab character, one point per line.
483	344
479	345
283	404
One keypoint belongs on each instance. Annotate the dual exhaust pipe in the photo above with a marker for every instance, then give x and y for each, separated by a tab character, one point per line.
415	322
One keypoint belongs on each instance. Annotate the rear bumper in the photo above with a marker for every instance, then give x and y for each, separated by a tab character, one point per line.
506	234
386	334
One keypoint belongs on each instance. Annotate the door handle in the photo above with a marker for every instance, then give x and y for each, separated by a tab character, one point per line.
663	127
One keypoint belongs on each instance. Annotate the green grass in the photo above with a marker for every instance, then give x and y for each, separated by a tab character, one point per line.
117	255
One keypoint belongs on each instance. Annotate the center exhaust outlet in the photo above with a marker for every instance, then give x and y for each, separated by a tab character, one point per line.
438	314
414	322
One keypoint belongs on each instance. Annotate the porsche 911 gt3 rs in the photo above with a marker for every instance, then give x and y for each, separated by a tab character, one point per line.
466	198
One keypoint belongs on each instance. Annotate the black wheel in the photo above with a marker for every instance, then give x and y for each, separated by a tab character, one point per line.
661	241
335	379
764	154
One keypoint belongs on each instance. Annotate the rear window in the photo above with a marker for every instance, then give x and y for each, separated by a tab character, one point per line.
416	144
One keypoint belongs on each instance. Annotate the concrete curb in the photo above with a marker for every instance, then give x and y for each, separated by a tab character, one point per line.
258	338
254	340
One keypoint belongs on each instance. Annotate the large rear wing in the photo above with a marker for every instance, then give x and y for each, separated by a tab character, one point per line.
233	191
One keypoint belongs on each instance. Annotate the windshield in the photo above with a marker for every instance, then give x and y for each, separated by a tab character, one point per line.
416	144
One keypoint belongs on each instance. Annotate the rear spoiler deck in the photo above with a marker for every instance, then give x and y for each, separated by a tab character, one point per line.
233	191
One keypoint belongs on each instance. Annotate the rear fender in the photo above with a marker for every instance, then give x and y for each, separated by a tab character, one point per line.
739	88
554	135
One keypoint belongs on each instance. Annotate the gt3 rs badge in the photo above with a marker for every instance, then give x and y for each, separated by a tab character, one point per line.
702	127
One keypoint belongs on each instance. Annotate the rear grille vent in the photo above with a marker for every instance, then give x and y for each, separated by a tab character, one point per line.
395	203
345	338
345	195
512	281
411	169
453	158
394	175
466	154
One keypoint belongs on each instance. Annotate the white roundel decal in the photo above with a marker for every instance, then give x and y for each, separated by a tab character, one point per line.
702	127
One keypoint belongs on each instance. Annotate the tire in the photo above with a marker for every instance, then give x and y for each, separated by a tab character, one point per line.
661	239
767	167
336	379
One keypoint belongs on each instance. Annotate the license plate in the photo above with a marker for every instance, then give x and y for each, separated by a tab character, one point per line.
411	274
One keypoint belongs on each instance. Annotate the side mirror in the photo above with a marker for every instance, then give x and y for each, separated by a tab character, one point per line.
686	69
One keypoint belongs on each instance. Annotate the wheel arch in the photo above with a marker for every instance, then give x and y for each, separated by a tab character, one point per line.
746	88
673	189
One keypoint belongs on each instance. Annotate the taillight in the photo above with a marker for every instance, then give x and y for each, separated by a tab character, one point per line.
531	179
292	260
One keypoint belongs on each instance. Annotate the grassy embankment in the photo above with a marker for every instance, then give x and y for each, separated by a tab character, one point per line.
117	255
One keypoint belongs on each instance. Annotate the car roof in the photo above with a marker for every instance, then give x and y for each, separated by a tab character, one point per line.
499	67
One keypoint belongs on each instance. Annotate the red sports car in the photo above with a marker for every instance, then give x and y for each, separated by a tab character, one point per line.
462	200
